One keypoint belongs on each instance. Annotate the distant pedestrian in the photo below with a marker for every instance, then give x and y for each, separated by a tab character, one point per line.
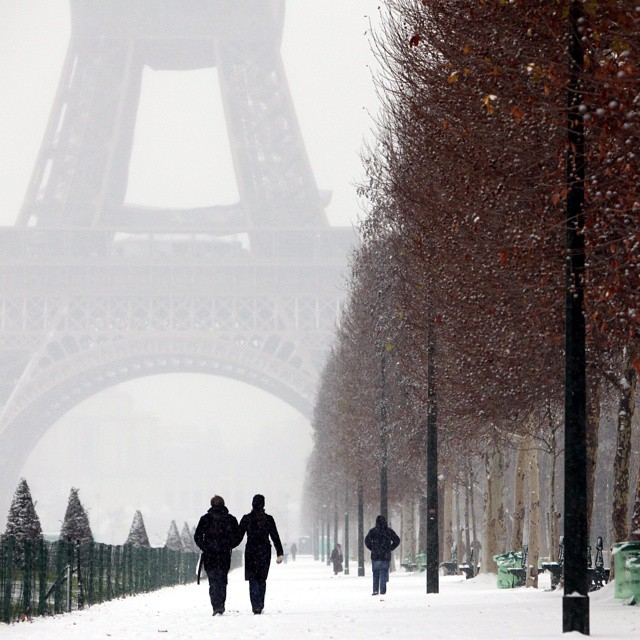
293	549
381	541
337	558
259	527
216	534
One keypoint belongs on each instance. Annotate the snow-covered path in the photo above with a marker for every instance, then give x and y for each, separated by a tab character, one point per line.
304	600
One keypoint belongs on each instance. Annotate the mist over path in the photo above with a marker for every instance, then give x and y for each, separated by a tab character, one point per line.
304	600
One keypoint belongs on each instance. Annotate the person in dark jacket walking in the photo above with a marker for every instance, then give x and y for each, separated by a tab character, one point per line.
336	559
381	541
216	534
259	527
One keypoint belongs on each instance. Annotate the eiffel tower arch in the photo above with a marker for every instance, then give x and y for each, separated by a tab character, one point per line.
94	291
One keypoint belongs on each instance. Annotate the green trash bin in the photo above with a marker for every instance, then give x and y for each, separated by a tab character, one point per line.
421	560
633	571
626	562
511	559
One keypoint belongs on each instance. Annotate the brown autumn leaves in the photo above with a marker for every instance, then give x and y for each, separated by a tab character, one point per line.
466	184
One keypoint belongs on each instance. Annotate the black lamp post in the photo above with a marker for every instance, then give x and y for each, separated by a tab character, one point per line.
335	518
329	538
433	552
382	347
360	526
384	436
316	544
575	602
322	545
346	527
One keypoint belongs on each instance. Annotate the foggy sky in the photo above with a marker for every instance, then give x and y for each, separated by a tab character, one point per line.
165	445
204	434
326	57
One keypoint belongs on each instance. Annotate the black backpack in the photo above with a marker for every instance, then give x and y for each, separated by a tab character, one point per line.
216	534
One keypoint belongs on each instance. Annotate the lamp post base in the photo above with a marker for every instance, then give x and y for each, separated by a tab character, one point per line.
575	614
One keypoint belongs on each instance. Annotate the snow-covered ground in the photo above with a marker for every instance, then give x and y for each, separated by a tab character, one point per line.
305	600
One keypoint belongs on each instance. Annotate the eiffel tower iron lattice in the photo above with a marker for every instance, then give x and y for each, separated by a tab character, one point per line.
94	292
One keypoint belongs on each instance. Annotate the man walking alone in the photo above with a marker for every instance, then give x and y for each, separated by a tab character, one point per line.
381	541
216	534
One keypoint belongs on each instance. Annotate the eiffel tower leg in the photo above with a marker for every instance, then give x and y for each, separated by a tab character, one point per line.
82	169
13	459
274	175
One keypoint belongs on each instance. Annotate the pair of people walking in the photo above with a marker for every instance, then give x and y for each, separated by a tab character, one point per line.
218	532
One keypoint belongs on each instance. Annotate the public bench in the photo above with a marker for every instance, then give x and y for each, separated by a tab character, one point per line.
418	564
468	569
597	573
556	568
520	573
450	567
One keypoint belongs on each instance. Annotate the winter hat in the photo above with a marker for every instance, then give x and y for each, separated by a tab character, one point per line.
258	502
381	520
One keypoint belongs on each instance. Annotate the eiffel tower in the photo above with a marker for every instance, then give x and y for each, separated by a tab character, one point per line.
94	292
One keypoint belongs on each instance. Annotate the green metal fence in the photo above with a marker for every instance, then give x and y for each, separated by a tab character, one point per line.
44	578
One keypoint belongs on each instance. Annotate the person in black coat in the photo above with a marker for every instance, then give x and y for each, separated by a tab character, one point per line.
216	534
337	558
259	527
381	541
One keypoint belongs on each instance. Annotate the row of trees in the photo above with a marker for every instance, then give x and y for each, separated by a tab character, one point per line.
23	523
182	541
461	269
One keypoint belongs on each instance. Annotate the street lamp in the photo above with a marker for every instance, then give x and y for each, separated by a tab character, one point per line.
346	527
328	535
383	346
335	517
360	525
384	434
316	544
575	602
433	552
322	545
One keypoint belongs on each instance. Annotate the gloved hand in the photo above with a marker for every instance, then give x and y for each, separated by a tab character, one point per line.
279	559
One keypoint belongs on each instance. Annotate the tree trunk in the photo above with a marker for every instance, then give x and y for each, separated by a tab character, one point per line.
360	524
441	521
467	523
593	424
634	534
517	531
459	526
403	533
620	516
412	523
534	517
448	520
493	529
553	515
422	525
474	526
408	532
